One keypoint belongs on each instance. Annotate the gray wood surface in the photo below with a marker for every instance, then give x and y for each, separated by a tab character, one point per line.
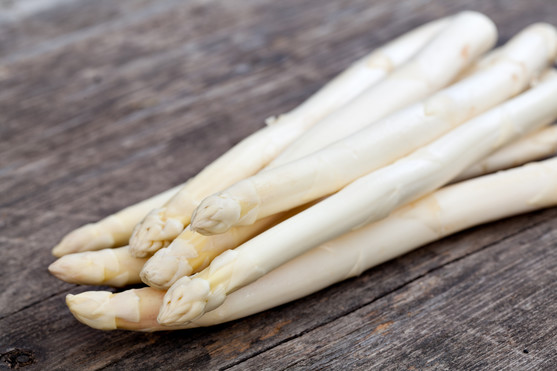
104	103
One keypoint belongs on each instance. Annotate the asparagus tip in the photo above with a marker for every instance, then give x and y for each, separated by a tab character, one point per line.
84	238
153	233
184	301
59	269
163	269
216	214
79	268
58	251
90	308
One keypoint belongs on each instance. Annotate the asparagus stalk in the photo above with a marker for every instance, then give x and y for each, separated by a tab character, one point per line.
433	217
469	35
162	225
367	199
538	145
326	171
112	231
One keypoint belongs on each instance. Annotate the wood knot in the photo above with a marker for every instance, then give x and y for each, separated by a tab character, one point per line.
18	358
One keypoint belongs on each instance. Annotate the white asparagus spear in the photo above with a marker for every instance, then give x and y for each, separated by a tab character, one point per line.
162	225
468	36
326	171
367	199
111	267
174	262
538	145
112	231
433	217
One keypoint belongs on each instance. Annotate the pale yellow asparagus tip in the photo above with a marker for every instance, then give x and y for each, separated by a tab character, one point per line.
64	269
113	267
165	268
131	309
92	308
190	297
186	300
87	237
153	233
217	214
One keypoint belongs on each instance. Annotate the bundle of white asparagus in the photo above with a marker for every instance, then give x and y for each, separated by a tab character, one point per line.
353	177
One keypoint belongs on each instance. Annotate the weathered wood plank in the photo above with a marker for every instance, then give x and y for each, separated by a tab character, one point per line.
25	256
84	121
28	27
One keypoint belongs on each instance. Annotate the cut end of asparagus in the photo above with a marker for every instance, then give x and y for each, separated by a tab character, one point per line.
85	238
153	233
79	268
92	308
163	269
215	215
184	301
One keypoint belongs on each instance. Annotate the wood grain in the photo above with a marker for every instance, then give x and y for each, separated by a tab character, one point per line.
105	103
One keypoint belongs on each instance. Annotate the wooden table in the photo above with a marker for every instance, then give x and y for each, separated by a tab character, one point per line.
104	103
